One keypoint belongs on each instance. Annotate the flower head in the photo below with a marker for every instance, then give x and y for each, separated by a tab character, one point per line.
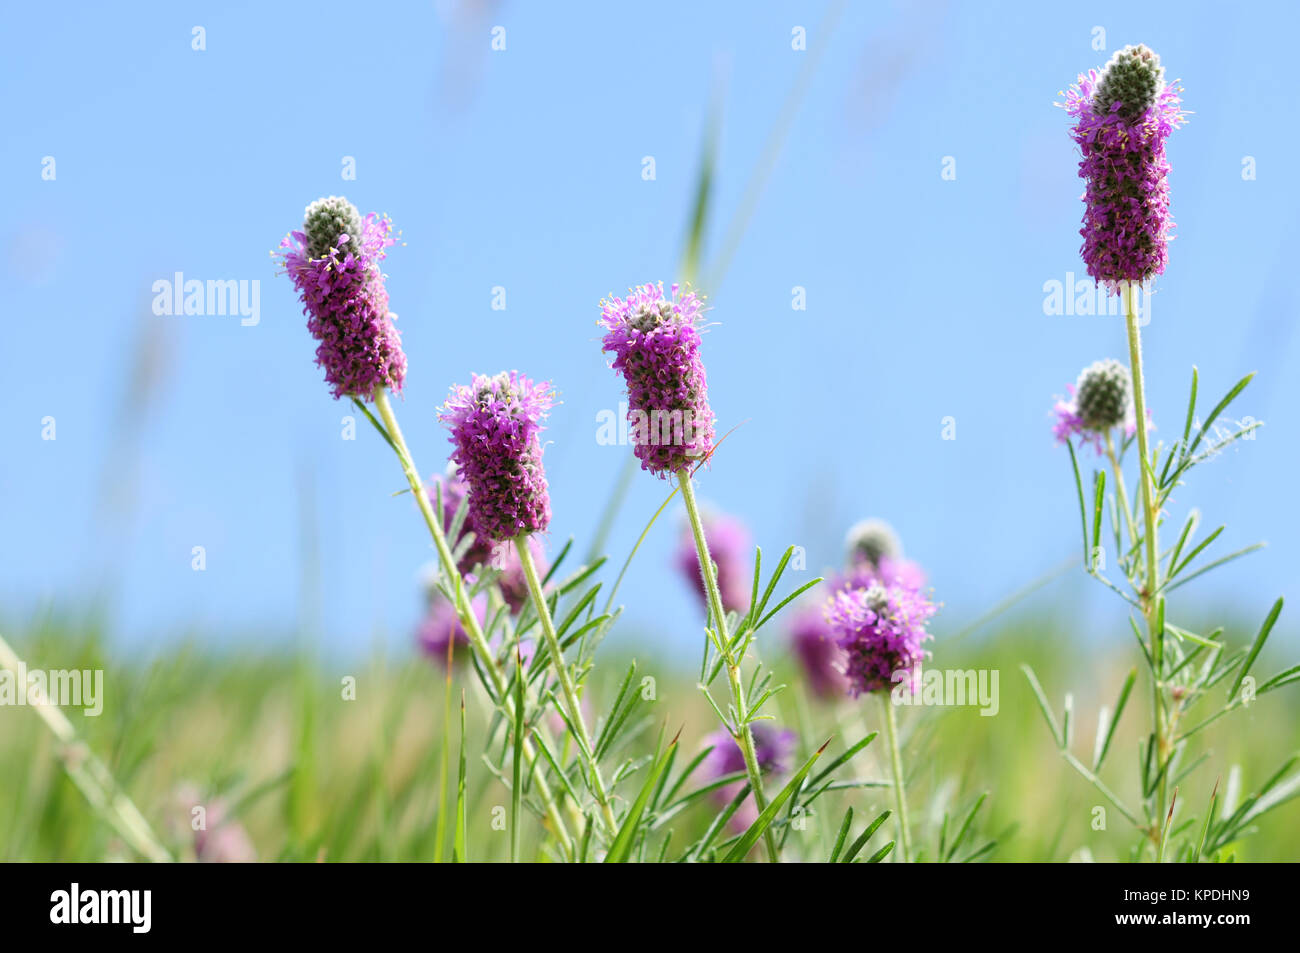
881	630
1123	115
1100	400
1103	394
656	345
334	263
729	546
495	425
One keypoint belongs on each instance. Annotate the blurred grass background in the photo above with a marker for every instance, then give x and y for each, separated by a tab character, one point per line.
311	776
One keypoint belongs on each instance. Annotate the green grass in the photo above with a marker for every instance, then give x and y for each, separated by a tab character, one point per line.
313	776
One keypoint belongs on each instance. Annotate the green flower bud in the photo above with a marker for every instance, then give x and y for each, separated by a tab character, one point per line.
326	220
1134	78
1103	395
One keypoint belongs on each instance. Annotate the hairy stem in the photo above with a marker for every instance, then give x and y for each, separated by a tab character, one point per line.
1121	490
567	689
896	769
744	737
1151	518
478	640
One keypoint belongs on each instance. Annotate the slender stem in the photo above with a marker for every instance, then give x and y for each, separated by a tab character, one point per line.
1122	491
88	773
477	639
567	688
444	769
1151	517
896	769
1145	476
744	737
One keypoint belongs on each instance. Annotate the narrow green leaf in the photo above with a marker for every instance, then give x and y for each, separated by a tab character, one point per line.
1214	565
459	853
1098	508
965	827
751	836
1214	414
1260	639
1043	706
517	756
621	848
1124	692
865	836
839	838
881	854
1083	509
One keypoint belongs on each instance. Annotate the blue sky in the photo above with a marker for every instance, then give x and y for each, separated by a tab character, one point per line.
522	168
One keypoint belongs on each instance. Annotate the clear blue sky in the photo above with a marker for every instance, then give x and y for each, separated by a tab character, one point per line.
522	168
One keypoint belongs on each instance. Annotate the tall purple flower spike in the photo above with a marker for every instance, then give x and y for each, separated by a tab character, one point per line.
495	425
334	263
656	345
1123	115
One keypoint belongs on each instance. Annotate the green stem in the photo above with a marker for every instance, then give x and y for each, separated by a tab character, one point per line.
744	737
88	773
1121	491
896	769
444	769
567	687
470	621
1151	518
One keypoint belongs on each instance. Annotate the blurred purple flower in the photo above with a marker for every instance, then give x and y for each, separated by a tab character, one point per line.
818	654
773	747
441	626
218	838
729	546
495	425
656	346
334	265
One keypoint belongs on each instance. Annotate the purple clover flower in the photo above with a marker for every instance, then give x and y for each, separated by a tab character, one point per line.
773	747
1123	115
656	345
729	545
1100	400
495	425
334	265
881	630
